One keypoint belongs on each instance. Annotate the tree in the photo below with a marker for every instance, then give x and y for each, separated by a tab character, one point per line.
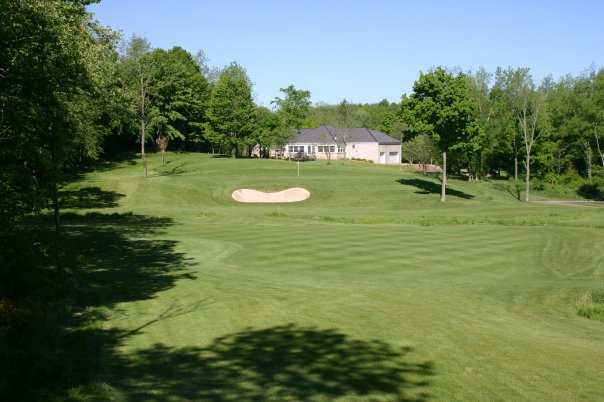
440	106
178	99
270	130
420	149
344	113
479	146
231	110
598	90
137	78
202	61
52	55
293	108
528	105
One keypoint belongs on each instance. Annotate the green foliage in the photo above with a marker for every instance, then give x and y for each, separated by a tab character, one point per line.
179	96
440	106
270	131
231	110
420	149
375	116
293	108
53	92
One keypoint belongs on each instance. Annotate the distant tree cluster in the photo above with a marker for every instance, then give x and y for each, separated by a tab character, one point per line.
504	124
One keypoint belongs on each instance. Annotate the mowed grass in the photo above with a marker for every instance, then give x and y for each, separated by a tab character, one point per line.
370	290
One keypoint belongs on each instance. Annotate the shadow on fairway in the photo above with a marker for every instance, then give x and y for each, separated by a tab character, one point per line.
168	170
88	198
511	188
106	259
430	187
279	363
64	351
114	264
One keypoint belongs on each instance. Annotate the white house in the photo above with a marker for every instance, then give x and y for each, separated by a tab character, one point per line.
327	142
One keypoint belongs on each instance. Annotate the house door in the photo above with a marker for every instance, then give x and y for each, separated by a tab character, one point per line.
383	157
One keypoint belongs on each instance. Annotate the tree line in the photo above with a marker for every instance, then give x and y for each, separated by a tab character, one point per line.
73	91
504	124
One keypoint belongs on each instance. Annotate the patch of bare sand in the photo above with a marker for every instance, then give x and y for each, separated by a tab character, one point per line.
294	194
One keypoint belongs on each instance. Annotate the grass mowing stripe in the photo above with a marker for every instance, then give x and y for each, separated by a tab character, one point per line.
483	289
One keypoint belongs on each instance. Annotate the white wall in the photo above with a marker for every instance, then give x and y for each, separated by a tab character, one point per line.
391	156
362	150
358	150
317	154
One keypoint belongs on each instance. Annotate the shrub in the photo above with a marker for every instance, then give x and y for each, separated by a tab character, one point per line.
592	191
591	305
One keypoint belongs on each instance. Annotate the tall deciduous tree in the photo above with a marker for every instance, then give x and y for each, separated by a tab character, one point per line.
504	94
178	99
137	78
293	108
479	145
440	106
231	110
50	65
528	104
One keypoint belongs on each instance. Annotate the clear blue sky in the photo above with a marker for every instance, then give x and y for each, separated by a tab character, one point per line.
365	51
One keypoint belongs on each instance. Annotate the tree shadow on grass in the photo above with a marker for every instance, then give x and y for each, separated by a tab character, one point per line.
88	198
116	263
285	363
65	353
168	170
58	343
430	187
512	189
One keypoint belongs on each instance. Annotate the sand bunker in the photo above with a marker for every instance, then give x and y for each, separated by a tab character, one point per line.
294	194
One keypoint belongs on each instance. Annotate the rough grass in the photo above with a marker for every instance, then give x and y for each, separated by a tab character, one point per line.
591	305
370	290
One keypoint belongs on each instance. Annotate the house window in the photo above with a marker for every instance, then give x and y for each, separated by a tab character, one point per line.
332	148
321	148
382	153
393	153
340	148
290	149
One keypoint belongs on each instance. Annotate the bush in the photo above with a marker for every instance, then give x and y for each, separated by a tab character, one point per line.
592	191
591	305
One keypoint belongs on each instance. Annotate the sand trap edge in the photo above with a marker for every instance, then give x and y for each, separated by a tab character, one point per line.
293	194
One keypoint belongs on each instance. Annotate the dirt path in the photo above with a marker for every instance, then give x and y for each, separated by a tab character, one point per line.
573	203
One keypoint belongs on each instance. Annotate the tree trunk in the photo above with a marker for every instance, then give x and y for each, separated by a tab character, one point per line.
56	215
528	177
443	187
143	156
143	123
599	149
56	208
588	155
515	168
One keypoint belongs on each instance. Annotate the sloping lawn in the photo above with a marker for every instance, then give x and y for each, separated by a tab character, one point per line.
370	290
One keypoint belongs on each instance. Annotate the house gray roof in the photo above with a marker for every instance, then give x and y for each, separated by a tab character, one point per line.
329	135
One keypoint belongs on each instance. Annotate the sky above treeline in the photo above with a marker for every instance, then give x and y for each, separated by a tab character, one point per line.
366	51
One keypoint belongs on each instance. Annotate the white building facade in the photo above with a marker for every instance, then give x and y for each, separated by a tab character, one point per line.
333	143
